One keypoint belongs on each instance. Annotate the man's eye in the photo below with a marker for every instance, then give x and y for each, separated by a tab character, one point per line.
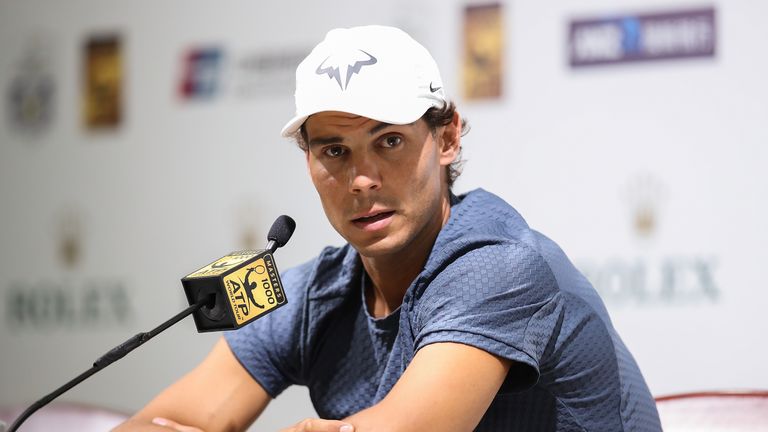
392	141
333	151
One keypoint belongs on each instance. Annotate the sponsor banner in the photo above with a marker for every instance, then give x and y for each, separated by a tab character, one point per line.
201	73
86	303
267	73
483	52
646	37
682	280
102	82
210	72
32	90
646	277
70	300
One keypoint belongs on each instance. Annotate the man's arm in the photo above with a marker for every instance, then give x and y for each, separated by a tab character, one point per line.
218	395
447	387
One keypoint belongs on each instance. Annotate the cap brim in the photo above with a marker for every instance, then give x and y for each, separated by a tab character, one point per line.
293	126
402	115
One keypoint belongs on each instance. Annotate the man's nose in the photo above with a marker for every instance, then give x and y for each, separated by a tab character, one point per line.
364	175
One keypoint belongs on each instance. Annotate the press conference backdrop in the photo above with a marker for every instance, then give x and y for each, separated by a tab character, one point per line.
140	140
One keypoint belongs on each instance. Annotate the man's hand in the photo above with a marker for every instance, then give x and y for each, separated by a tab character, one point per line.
320	425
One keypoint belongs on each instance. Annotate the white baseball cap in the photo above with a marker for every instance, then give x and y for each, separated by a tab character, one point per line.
376	72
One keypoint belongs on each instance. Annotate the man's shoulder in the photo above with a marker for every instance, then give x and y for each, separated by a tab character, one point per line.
486	234
487	240
494	268
480	217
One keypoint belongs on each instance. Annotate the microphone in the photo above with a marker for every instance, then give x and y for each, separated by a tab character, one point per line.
280	232
223	295
241	286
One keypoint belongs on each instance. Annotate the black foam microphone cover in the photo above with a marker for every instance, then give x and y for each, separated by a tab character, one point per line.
282	230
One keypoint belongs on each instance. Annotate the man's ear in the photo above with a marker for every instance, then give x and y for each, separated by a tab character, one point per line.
451	140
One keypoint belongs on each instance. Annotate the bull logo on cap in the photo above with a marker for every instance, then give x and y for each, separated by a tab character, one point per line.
352	62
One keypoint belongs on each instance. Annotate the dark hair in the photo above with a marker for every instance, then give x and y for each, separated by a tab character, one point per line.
434	117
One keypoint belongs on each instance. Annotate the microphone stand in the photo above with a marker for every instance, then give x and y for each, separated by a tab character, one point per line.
107	359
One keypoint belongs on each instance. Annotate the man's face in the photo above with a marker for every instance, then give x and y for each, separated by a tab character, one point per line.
382	186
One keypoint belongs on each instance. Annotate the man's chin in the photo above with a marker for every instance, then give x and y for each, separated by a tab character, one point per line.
378	248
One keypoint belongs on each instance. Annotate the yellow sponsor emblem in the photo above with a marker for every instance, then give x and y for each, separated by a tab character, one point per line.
252	290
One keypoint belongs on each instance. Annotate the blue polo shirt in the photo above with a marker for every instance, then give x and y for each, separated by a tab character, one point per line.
490	282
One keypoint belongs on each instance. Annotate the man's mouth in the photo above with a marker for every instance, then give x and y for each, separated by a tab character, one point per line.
374	221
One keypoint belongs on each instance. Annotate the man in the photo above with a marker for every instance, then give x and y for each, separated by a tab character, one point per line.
442	313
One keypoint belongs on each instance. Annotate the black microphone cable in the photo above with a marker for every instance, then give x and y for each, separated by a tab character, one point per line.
107	359
279	234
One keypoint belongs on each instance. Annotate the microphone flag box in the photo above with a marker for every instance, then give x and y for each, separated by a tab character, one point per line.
246	286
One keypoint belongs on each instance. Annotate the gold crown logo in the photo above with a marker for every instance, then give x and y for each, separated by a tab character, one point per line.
644	194
69	232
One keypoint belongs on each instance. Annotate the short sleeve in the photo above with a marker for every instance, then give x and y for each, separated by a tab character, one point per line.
500	298
269	348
